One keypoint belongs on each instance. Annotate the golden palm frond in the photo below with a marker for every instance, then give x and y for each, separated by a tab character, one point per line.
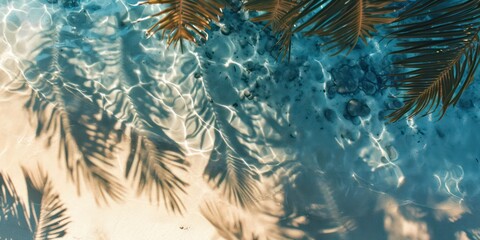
343	22
274	12
184	19
440	42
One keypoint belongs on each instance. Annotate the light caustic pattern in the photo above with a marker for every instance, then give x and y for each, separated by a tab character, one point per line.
194	97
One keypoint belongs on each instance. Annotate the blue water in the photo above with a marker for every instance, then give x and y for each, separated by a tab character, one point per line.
110	133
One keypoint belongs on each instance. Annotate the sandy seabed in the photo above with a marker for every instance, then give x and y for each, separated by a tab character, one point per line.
356	176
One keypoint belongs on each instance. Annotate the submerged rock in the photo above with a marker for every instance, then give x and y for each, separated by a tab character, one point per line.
250	66
369	88
226	30
346	85
392	153
331	89
394	104
66	3
330	115
346	78
465	104
246	94
197	75
356	108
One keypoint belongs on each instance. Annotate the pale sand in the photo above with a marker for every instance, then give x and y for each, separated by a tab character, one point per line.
373	156
136	218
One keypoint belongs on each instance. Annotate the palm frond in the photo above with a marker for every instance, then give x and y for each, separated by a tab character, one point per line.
342	22
274	12
439	40
184	19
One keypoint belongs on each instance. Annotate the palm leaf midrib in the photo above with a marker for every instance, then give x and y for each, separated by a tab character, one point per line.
443	75
442	51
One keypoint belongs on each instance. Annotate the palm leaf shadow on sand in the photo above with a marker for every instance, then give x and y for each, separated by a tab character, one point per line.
64	107
92	116
155	159
228	225
43	216
232	167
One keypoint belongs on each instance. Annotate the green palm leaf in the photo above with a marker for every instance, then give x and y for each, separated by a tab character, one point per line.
440	42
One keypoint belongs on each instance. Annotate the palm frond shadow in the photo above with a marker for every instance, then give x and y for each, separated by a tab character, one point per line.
64	104
51	215
93	115
242	133
227	223
42	216
232	167
155	159
309	195
230	172
233	223
14	214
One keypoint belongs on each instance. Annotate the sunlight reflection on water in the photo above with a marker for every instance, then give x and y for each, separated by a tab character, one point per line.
317	179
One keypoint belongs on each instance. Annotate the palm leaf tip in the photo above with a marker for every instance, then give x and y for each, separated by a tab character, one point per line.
276	14
53	219
442	54
52	216
155	165
184	19
237	179
343	22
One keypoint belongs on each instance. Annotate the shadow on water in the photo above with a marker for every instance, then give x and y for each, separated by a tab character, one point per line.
43	217
96	86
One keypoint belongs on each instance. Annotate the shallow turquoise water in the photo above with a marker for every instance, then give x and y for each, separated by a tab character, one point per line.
117	136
